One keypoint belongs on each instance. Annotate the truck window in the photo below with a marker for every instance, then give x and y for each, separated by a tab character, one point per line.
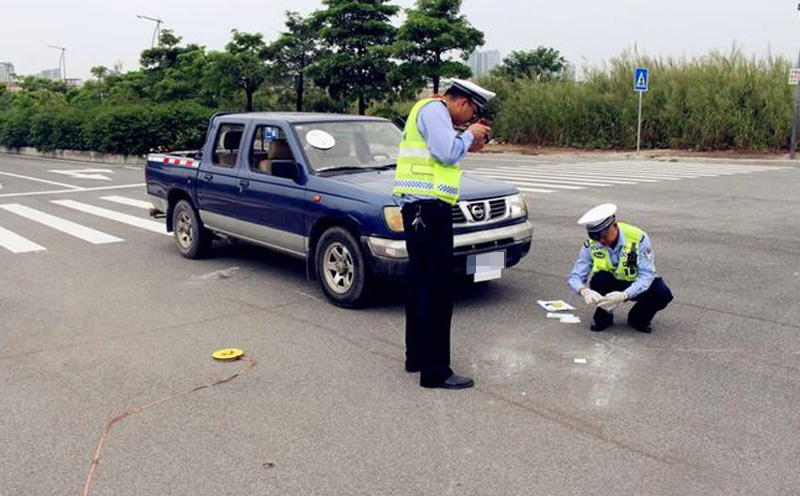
269	146
226	145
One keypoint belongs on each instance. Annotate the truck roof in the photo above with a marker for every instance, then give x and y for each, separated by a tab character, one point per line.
300	117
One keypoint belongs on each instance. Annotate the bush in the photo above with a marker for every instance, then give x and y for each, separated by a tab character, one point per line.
713	103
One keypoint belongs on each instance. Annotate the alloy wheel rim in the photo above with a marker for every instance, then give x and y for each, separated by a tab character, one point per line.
339	268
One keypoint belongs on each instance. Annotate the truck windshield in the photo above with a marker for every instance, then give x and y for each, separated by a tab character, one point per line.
349	145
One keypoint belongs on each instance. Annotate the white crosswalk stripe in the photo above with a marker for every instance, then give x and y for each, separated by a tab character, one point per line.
128	201
132	220
17	244
68	227
554	177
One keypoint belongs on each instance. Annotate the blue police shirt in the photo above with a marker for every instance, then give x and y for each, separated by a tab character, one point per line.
645	268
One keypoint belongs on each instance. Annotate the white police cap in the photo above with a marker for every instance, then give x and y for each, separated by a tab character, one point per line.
599	218
479	96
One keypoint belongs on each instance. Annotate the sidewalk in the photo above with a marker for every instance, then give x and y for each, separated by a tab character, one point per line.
547	153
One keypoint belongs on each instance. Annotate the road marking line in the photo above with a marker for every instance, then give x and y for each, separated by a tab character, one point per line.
78	190
128	201
36	179
85	233
17	244
540	179
156	227
600	178
534	190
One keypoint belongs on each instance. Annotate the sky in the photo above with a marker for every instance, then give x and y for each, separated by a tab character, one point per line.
588	33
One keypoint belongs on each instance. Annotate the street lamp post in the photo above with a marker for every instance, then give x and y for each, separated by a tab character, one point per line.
156	31
62	62
793	146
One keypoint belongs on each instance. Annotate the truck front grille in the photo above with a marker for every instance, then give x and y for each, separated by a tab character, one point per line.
479	211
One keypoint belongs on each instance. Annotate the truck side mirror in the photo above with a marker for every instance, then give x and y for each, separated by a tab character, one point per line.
286	169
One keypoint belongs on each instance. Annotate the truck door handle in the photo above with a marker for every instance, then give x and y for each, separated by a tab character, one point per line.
208	177
244	184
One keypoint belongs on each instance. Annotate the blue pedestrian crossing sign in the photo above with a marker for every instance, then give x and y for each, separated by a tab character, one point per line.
641	80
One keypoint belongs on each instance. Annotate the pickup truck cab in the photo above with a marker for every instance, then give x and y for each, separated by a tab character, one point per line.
319	187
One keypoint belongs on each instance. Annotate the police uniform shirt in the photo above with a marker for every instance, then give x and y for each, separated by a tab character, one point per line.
436	127
645	268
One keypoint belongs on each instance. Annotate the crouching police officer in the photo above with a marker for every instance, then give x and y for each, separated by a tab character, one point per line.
619	258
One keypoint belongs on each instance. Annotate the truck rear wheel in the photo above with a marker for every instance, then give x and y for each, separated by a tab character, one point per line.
342	270
192	238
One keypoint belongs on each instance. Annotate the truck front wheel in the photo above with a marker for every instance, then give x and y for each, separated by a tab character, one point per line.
342	269
192	238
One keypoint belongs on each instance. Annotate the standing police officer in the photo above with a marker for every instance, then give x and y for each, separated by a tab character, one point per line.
428	181
620	260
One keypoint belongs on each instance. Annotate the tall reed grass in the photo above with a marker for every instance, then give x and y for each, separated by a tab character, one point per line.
716	102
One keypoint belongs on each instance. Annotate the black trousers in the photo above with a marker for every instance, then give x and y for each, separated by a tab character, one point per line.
429	307
653	300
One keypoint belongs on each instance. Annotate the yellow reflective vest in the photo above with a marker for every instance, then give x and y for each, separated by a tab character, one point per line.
601	258
418	172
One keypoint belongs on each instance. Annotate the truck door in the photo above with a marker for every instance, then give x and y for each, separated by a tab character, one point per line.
272	191
217	182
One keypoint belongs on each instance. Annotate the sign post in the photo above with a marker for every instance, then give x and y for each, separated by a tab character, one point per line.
641	82
794	77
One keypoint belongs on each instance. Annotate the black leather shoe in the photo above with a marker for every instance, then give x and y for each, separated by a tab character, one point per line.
595	327
455	381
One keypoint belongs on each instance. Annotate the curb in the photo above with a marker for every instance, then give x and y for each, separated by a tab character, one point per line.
77	156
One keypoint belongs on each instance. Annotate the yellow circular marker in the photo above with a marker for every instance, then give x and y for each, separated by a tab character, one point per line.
227	354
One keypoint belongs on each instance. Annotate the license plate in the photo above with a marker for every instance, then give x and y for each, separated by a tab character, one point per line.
486	266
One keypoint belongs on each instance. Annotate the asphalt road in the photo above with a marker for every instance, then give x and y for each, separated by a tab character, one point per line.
99	321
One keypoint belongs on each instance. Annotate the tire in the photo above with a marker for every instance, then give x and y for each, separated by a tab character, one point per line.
342	269
191	237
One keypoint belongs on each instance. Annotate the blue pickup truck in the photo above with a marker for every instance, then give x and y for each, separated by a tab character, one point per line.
318	187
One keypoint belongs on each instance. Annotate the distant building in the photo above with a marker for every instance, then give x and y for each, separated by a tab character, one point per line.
6	73
483	62
54	74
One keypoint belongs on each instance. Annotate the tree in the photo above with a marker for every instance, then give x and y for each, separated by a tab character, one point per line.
172	72
242	65
294	52
432	30
541	64
357	35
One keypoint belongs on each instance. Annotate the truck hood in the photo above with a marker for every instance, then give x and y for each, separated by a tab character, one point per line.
473	187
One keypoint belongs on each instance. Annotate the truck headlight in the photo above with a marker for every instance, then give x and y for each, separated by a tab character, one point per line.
393	218
518	206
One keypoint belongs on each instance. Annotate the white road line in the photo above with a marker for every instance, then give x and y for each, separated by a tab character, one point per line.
128	201
78	190
535	190
541	179
600	178
529	182
17	244
156	227
36	179
82	232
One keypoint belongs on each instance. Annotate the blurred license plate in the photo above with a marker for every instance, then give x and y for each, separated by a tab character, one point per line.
486	266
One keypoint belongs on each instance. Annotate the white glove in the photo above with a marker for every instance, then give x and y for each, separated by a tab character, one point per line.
610	301
590	296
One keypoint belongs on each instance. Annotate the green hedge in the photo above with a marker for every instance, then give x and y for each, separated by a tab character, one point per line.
133	129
